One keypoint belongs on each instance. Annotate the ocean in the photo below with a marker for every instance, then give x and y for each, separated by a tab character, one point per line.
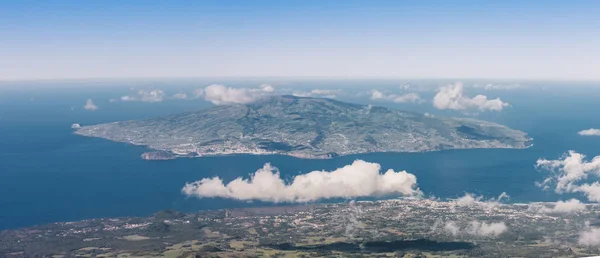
48	174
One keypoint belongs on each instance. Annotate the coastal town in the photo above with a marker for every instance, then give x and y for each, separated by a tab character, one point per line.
406	227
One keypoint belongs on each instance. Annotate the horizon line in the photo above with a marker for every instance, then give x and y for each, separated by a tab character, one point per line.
297	77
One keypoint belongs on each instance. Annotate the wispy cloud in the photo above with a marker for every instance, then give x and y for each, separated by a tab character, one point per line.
89	105
452	97
355	180
402	98
589	237
476	228
146	96
328	93
590	132
180	96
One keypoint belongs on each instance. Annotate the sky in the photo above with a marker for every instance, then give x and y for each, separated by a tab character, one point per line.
405	39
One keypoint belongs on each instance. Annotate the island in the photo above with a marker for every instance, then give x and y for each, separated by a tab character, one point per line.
304	127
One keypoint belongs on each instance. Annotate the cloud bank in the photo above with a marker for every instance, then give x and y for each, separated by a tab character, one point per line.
403	98
476	228
89	105
452	97
569	206
327	93
146	96
590	132
567	174
222	95
358	179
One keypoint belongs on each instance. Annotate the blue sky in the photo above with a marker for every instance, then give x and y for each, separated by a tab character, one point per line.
406	39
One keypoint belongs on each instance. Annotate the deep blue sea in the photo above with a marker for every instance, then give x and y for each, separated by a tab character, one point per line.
48	174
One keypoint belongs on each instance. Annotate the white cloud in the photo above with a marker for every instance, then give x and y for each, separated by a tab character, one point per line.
221	95
368	108
472	200
375	94
358	179
408	97
452	228
403	98
89	105
468	200
491	86
590	237
476	228
180	96
146	96
267	88
569	206
301	94
328	93
590	132
591	191
480	228
569	171
452	97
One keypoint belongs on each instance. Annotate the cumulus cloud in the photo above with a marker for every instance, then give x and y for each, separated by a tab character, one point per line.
180	96
358	179
567	174
590	237
590	132
591	191
480	228
222	95
146	96
375	94
452	97
403	98
472	200
89	105
267	88
569	206
476	228
328	93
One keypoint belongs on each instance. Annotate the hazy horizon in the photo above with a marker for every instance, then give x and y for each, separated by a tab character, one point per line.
533	40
